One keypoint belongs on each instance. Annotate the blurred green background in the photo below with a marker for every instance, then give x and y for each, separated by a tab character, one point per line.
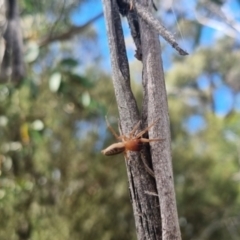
54	182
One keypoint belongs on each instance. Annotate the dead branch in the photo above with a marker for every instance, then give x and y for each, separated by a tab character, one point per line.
72	31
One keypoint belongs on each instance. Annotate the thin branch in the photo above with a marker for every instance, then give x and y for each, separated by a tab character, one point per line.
217	11
72	31
154	23
58	19
229	223
216	25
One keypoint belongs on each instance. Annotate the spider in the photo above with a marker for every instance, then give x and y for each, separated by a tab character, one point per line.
130	142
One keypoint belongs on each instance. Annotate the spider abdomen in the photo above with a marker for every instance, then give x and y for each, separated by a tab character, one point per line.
114	149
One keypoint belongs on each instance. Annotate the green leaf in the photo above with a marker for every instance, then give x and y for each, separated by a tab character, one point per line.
68	63
86	99
85	82
32	52
55	81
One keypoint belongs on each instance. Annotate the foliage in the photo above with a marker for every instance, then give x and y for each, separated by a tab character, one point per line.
206	162
54	183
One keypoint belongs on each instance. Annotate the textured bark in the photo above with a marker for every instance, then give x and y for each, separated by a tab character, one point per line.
147	194
155	106
141	184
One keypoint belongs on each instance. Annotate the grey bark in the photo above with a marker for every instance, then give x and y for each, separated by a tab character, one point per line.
156	106
147	194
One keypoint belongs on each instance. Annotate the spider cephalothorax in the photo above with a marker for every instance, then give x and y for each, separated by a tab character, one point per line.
131	142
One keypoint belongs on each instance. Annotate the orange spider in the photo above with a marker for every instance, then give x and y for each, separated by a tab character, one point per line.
128	143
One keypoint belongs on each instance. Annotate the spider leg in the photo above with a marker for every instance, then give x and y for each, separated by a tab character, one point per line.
121	137
146	129
126	155
146	140
112	130
134	129
125	138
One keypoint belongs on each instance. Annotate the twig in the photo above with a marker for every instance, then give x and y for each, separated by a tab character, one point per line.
73	30
54	26
154	23
217	11
151	193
